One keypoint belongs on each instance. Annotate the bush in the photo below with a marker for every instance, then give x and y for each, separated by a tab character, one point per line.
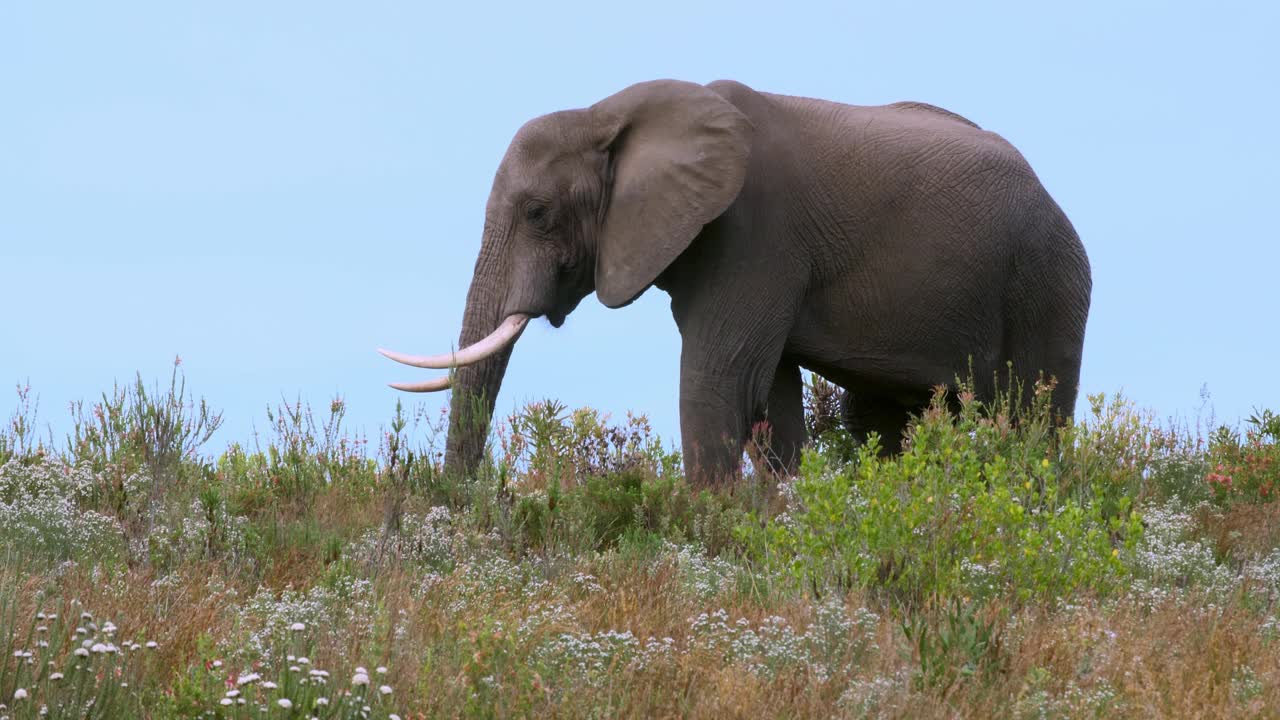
1246	469
975	506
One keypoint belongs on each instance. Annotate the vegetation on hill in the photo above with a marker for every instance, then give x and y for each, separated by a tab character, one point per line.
1119	567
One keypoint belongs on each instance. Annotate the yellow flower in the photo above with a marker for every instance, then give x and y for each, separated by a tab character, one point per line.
1027	485
1044	462
929	499
1115	552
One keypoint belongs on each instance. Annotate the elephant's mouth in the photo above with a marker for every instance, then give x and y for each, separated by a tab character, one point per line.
556	319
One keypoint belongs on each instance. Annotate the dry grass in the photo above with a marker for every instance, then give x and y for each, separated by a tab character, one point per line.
481	607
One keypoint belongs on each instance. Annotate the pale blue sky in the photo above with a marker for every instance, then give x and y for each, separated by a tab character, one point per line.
272	190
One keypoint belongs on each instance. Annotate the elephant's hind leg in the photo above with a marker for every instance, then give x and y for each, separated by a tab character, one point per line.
886	415
779	434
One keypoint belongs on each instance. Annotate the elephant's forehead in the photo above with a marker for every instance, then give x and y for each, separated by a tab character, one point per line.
545	142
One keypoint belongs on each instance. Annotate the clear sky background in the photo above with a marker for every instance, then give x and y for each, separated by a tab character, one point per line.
273	189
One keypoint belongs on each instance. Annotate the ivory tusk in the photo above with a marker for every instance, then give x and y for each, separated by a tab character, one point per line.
504	335
426	386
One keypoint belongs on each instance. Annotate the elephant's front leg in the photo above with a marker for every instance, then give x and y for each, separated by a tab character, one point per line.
719	401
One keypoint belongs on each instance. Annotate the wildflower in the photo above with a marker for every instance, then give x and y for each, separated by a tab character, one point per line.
98	648
393	716
285	703
304	661
55	676
1044	462
217	663
151	645
322	701
269	685
298	627
246	679
294	668
225	701
20	694
233	693
381	670
42	628
86	616
81	652
385	689
360	679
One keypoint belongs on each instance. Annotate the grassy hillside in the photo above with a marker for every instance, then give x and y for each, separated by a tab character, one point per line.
1120	568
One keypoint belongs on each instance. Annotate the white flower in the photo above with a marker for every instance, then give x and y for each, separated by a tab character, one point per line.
381	670
360	679
20	694
86	616
294	668
285	703
217	663
246	679
298	627
385	689
81	652
109	627
225	701
55	676
304	661
360	669
98	648
233	693
322	701
393	716
151	645
42	628
269	685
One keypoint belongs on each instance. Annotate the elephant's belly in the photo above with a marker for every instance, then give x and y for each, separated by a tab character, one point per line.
908	340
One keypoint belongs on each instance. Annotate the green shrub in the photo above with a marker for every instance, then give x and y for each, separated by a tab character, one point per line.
976	506
1246	469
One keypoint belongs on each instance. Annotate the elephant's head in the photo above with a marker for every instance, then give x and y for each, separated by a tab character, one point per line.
602	198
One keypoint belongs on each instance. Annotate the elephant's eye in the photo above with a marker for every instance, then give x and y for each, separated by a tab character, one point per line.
536	213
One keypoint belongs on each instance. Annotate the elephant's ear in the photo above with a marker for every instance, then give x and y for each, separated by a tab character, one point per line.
678	156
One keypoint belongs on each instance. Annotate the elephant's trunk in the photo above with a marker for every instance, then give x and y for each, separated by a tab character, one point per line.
476	386
488	335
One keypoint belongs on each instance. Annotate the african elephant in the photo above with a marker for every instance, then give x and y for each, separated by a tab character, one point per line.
887	248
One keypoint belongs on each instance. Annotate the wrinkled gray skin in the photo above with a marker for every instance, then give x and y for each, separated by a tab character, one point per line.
882	247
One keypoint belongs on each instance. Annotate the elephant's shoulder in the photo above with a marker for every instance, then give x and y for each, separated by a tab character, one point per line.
912	106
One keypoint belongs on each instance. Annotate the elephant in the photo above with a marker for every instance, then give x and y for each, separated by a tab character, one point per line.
887	248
